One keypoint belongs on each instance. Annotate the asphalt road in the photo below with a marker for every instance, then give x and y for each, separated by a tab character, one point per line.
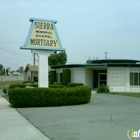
106	117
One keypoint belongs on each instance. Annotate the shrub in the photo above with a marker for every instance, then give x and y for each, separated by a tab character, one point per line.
33	85
17	86
52	77
74	84
24	82
37	97
4	90
66	76
56	86
57	83
102	89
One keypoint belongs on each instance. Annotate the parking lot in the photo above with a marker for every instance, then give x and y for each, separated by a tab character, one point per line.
105	117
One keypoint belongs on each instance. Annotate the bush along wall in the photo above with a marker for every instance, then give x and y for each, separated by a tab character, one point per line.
66	76
52	77
102	89
41	97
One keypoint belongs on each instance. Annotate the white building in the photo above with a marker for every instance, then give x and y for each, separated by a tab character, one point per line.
119	75
31	73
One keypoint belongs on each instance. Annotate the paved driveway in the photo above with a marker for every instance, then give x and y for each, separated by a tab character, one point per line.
106	117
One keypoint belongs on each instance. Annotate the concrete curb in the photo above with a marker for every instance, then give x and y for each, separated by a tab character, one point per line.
13	126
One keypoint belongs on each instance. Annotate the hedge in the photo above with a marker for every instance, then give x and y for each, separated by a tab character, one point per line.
17	86
52	77
56	86
74	84
26	82
42	97
33	85
66	76
57	83
20	86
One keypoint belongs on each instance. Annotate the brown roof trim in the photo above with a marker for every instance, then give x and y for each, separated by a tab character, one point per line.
35	68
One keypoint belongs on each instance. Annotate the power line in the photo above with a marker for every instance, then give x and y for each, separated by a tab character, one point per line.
14	59
9	63
14	52
10	42
9	47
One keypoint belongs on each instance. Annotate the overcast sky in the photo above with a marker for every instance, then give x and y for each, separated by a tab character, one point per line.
87	28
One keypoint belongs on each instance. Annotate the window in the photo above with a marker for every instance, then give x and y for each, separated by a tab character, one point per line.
134	79
35	78
60	77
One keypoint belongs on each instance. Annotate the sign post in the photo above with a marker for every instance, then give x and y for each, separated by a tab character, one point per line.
43	40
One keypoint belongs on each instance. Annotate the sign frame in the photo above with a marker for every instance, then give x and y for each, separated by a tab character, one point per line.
33	20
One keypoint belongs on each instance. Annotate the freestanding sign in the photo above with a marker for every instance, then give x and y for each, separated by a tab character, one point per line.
43	40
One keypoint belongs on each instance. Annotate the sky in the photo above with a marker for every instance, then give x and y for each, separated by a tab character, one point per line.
87	29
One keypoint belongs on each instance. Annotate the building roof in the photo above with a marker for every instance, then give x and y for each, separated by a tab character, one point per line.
103	63
31	68
35	68
114	61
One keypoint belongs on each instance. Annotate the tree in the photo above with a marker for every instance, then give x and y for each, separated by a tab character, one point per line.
2	70
58	58
20	69
1	67
7	71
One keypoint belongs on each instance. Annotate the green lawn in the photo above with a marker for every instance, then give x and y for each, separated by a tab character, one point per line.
4	83
6	97
126	94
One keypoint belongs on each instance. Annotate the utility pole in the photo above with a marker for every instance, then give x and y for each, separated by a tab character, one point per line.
34	59
106	55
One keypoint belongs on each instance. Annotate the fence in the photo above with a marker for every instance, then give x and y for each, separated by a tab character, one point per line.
11	78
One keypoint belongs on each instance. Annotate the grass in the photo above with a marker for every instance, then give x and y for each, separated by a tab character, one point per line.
4	83
6	97
126	94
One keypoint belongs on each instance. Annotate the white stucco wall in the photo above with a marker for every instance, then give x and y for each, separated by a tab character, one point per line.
78	75
28	75
116	78
58	71
89	77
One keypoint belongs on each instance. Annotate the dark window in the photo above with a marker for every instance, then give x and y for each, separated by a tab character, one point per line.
60	77
134	79
35	79
131	79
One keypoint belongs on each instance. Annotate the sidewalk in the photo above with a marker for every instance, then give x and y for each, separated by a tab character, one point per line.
15	127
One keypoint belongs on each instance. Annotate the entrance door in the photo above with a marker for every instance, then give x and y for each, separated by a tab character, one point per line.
95	79
102	79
